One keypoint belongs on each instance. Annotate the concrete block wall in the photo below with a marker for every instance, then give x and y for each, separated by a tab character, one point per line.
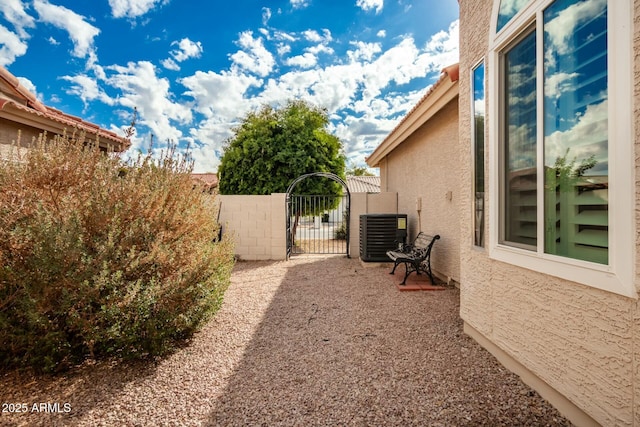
257	224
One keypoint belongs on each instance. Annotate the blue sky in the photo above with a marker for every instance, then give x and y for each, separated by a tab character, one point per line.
193	69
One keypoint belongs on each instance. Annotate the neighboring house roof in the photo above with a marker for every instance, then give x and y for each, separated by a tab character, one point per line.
440	94
363	184
20	106
209	180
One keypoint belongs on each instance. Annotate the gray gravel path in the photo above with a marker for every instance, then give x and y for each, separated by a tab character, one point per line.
308	342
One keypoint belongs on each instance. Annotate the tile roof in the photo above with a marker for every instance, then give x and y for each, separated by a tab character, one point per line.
210	179
363	184
450	75
16	99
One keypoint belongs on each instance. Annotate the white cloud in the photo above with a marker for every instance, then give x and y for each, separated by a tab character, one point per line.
368	5
511	7
284	36
382	34
186	49
133	8
283	49
141	88
170	64
306	60
442	48
28	84
80	31
324	38
364	51
321	48
564	25
299	4
220	95
399	64
211	103
222	99
312	36
558	83
266	15
354	86
14	12
87	89
254	57
204	158
14	43
587	137
11	46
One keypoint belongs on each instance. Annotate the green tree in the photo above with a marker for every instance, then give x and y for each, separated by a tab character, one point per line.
354	170
272	147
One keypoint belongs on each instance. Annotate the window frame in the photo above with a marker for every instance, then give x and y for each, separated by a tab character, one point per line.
618	276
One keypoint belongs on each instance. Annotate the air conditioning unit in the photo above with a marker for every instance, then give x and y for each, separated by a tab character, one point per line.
380	233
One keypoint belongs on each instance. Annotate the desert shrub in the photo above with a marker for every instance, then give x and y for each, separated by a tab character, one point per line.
103	258
341	232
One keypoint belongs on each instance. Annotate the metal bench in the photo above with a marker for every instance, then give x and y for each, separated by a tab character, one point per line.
415	256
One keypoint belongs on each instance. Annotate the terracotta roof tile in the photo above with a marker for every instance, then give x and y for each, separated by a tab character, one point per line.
31	105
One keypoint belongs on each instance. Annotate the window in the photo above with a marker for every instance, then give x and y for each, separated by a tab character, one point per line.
508	9
576	144
478	113
519	143
558	136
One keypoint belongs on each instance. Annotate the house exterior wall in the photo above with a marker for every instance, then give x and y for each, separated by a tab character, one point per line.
426	166
577	345
9	131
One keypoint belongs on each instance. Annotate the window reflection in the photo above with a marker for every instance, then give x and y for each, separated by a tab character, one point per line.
508	9
576	129
478	148
520	195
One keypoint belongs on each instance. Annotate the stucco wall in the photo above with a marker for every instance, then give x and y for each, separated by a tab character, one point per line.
426	165
582	342
364	203
9	131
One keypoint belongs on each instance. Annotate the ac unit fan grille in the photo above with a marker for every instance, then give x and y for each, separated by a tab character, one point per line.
379	233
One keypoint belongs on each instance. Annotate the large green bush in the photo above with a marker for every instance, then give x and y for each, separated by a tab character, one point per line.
103	258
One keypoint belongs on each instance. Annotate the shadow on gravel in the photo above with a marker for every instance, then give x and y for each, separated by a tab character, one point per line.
64	399
339	345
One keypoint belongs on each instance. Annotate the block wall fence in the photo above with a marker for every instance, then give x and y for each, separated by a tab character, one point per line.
258	223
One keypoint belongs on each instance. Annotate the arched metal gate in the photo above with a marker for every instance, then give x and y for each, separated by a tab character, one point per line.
317	224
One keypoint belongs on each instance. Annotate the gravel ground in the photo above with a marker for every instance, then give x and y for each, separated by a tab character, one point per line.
308	342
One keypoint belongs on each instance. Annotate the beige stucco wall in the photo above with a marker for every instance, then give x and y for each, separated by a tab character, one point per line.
581	342
426	166
10	130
